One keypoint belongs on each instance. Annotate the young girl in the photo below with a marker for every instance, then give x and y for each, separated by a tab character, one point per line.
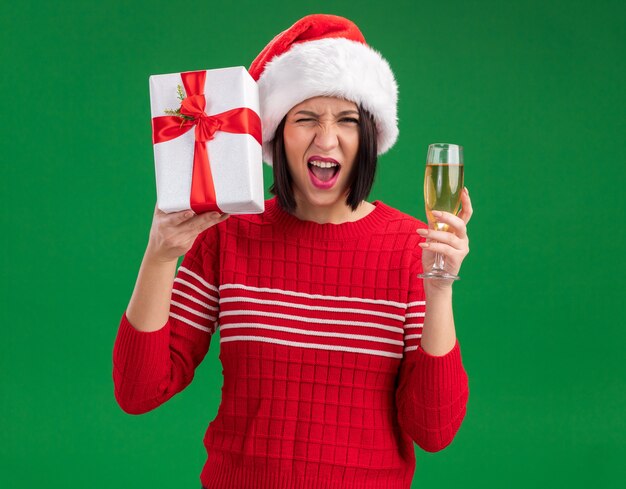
336	356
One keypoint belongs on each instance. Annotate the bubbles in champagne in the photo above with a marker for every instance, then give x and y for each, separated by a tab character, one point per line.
443	184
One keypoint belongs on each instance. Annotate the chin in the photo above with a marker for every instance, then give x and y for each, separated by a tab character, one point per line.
321	198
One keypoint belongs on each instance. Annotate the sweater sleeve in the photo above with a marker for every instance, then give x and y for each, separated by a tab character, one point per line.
151	367
432	391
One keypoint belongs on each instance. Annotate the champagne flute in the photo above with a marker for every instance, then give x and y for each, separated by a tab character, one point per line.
443	184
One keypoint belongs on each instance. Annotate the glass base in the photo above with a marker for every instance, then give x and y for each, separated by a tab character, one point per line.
439	274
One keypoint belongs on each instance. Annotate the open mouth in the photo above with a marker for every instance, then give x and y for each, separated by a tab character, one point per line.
323	174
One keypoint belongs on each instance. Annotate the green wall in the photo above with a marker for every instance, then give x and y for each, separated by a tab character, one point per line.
533	90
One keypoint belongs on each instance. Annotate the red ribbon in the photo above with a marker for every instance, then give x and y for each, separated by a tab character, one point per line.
238	121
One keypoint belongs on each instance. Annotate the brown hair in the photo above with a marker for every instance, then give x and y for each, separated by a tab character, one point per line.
363	172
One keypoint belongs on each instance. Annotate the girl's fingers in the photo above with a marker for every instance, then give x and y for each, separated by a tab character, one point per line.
157	211
200	222
453	221
466	204
442	248
442	236
183	216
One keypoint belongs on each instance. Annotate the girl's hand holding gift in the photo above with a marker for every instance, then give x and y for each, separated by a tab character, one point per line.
172	234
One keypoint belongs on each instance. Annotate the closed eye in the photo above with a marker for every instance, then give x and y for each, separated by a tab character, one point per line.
304	120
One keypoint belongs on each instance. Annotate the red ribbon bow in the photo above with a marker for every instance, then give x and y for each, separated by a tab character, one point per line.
239	121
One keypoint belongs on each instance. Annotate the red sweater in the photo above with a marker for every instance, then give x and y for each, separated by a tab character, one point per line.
325	382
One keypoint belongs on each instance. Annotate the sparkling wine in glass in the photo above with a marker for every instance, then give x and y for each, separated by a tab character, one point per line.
443	184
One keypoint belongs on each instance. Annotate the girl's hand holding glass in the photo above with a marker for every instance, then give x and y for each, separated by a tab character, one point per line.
453	244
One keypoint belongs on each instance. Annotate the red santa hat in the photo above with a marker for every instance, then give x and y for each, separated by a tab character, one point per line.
324	55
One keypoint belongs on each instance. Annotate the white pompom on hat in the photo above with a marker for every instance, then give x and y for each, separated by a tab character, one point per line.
324	55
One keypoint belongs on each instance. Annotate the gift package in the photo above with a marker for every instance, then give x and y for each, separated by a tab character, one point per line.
206	133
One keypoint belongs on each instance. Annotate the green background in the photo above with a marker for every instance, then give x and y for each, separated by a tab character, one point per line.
533	90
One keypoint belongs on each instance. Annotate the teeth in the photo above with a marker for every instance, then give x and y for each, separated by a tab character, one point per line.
323	164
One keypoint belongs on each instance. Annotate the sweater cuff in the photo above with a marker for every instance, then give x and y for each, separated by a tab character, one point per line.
440	371
141	355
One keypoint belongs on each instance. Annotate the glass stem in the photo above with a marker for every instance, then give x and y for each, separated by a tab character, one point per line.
438	265
438	262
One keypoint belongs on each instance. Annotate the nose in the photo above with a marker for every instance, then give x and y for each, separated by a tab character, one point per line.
326	137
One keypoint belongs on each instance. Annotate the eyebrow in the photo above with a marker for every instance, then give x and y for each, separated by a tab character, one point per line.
344	112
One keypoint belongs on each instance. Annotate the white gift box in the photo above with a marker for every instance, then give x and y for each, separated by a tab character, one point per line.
235	159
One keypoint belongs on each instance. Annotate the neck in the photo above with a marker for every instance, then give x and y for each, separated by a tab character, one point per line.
335	213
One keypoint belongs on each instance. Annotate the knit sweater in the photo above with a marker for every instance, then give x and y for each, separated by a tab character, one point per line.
326	384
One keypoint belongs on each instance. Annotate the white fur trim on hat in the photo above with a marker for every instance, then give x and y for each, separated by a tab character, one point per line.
335	67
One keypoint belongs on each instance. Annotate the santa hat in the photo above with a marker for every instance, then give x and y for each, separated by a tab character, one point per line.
324	55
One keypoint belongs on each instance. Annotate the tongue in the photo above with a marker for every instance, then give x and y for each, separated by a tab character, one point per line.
323	174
